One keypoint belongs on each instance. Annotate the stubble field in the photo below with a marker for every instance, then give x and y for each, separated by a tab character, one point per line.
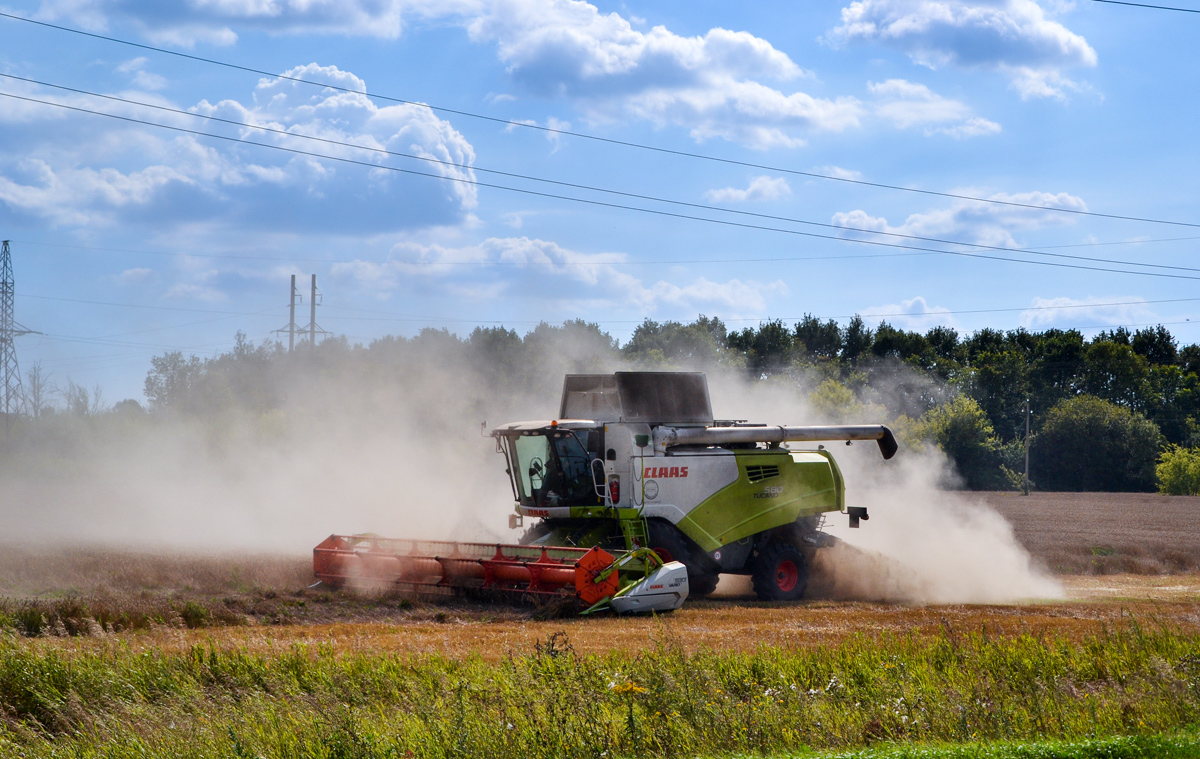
120	653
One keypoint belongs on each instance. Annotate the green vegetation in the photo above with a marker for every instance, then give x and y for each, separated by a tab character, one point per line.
1090	444
967	392
961	429
1129	747
1178	471
121	700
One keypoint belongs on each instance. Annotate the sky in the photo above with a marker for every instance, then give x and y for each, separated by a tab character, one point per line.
463	163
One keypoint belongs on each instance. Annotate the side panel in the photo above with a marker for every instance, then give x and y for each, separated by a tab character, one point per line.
672	486
772	489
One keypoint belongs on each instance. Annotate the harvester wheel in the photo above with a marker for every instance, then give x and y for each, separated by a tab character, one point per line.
670	545
702	585
780	573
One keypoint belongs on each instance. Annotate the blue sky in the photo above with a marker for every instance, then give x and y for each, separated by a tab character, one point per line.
130	240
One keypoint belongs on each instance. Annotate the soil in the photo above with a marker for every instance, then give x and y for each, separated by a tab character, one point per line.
1105	533
1119	556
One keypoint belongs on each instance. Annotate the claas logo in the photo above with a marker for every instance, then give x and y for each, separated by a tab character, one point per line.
662	472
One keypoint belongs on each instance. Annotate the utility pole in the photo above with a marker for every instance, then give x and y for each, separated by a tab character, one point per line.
290	329
312	328
10	373
312	314
1025	484
292	316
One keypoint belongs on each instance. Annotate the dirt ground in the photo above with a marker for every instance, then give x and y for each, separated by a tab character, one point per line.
1102	533
728	624
1118	556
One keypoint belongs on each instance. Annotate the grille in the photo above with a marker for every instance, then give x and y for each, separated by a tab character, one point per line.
760	473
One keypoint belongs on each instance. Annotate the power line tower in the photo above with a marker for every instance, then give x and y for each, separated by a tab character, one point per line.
312	328
10	374
291	327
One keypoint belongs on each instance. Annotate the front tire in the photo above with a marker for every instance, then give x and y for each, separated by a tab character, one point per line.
669	543
780	573
702	585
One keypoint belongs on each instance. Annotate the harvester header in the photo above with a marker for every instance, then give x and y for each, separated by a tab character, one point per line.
641	498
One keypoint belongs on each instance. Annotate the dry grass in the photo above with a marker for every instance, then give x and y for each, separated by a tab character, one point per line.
1118	552
461	631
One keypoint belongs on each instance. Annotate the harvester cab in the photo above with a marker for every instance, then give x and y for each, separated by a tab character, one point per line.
637	497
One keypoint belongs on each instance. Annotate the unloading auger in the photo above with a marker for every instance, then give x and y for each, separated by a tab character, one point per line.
642	498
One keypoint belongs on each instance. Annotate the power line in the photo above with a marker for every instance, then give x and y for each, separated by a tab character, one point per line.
1144	5
138	305
583	135
415	317
640	262
603	204
395	316
577	186
557	264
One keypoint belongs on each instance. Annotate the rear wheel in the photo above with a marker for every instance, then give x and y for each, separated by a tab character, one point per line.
780	573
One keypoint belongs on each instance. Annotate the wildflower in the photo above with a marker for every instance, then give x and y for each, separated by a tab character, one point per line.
627	687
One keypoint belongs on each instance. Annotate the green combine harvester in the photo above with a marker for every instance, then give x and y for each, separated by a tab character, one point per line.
641	498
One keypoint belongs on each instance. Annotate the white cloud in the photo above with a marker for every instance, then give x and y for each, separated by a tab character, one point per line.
557	277
915	314
516	219
1014	37
974	221
1049	312
554	137
202	287
216	21
908	104
135	276
710	84
760	189
98	173
724	84
975	127
142	79
551	129
81	196
837	172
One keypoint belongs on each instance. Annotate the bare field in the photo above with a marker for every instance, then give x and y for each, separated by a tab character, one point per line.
1105	533
1117	556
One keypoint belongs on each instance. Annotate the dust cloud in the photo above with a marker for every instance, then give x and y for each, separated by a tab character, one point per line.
396	449
922	544
398	455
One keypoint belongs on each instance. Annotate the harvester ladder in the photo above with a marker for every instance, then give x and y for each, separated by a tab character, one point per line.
636	533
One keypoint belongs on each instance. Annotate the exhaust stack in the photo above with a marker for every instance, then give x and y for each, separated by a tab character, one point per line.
669	437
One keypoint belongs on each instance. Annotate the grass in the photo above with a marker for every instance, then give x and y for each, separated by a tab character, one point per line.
981	694
1183	746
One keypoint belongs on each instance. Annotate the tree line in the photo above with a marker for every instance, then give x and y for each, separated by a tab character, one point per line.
1118	411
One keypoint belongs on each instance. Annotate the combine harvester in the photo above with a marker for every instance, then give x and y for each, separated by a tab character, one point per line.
642	498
